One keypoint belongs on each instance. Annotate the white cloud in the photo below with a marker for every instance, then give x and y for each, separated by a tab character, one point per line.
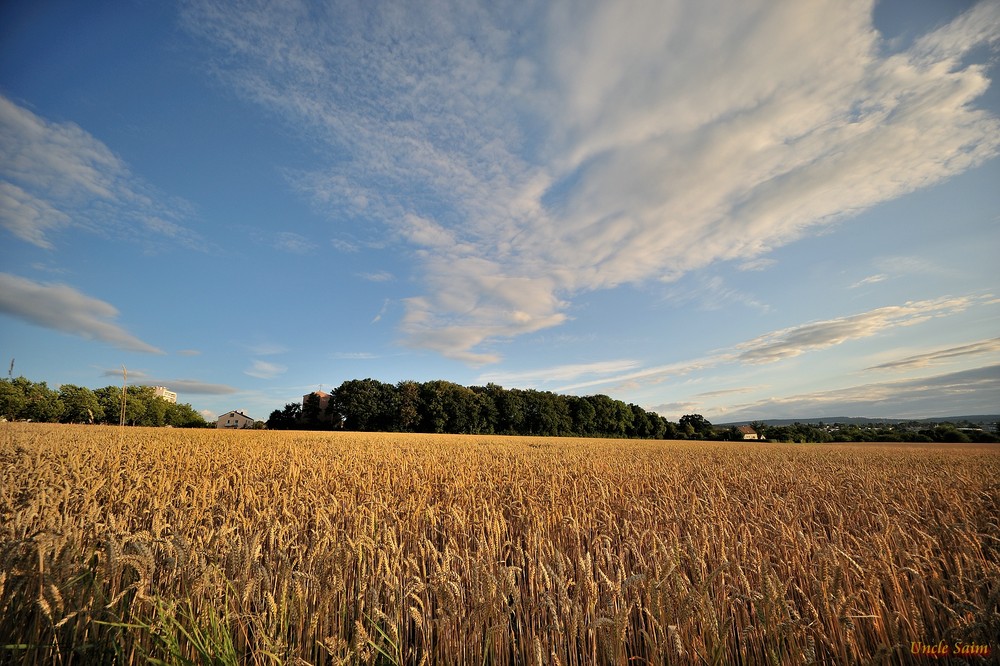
967	392
266	348
63	308
819	335
265	370
28	217
381	313
354	356
377	276
133	374
343	245
982	347
560	373
655	374
731	391
871	279
675	410
758	264
293	242
796	340
529	152
54	174
712	293
194	386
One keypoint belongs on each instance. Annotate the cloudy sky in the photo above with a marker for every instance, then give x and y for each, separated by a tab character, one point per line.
739	208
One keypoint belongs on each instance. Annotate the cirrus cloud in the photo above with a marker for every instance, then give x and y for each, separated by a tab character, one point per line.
528	152
982	347
265	369
55	174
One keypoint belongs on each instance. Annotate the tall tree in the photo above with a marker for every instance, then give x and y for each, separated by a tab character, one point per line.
80	405
583	415
696	425
407	406
310	411
184	416
13	397
43	404
365	405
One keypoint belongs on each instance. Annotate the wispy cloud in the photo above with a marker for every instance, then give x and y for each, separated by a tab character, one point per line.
528	152
289	241
675	410
560	373
344	246
191	386
712	293
982	347
133	373
655	374
56	174
871	279
266	348
354	356
795	340
758	264
381	313
814	336
732	391
377	276
265	370
62	308
976	390
195	387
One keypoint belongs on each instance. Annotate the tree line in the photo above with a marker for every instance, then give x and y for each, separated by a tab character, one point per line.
440	406
25	400
908	431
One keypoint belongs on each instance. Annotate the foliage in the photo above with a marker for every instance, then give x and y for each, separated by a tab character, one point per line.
24	400
254	547
438	406
81	405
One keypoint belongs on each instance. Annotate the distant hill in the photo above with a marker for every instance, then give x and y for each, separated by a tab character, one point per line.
983	419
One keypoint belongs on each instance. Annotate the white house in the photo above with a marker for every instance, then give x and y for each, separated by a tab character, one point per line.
234	420
748	432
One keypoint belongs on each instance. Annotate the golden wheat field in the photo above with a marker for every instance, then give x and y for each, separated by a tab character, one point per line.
174	546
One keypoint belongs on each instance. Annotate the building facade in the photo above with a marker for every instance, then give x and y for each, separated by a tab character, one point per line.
166	394
234	420
322	396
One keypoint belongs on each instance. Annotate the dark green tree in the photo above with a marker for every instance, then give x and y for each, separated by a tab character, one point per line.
486	413
43	404
407	407
510	410
13	397
582	413
310	415
365	405
184	416
287	418
606	416
80	405
696	425
641	426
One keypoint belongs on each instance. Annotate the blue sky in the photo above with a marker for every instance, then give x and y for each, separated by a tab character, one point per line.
745	209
